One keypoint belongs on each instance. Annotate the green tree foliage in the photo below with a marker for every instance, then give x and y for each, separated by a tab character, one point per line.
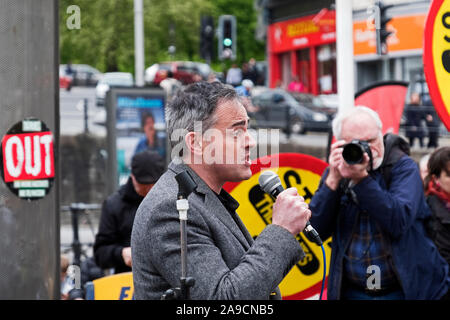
105	39
183	16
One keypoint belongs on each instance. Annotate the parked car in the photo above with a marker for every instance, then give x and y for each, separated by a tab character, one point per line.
112	79
315	103
330	100
184	71
278	109
83	74
65	80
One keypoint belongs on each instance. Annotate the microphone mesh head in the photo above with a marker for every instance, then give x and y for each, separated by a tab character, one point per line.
269	180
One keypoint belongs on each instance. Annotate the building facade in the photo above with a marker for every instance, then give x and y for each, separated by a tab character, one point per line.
301	42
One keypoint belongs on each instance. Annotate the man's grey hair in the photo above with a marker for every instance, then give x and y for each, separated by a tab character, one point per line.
341	116
196	103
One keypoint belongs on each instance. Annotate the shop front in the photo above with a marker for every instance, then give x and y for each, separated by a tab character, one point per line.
305	48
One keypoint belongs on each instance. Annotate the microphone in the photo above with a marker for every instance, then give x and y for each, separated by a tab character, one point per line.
270	183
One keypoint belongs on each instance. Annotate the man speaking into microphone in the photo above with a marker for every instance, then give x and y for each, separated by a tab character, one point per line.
222	257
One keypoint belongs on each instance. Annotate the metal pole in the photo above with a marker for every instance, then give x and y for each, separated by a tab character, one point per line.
378	43
76	245
139	42
172	47
385	67
344	50
183	234
86	126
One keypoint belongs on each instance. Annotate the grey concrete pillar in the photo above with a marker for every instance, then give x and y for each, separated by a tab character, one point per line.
29	87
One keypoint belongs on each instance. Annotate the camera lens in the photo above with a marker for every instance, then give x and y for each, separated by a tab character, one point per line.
353	153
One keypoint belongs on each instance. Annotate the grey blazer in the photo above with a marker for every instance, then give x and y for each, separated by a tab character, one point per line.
224	260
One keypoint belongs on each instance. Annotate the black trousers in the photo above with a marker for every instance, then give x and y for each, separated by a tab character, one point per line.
433	134
411	141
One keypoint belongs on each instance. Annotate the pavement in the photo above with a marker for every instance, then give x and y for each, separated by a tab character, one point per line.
86	238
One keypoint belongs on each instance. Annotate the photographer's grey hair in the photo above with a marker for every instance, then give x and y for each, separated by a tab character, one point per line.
341	116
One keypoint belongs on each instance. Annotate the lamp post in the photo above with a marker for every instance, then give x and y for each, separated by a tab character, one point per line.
344	51
139	42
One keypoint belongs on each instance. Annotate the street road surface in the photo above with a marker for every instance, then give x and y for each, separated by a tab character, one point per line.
72	112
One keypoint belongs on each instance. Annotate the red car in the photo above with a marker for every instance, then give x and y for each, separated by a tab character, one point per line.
184	71
65	81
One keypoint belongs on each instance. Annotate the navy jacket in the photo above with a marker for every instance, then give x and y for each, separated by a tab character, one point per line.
400	211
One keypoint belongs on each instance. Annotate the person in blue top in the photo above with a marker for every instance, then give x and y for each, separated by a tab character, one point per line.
150	139
244	92
245	88
380	247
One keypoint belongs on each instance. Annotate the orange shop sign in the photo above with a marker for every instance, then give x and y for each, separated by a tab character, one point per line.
407	35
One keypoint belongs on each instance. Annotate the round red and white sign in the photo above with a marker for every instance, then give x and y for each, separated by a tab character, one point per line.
28	166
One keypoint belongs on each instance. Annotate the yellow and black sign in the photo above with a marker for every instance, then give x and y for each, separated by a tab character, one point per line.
255	210
115	287
436	57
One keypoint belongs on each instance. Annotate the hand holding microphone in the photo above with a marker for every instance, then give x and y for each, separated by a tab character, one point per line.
290	210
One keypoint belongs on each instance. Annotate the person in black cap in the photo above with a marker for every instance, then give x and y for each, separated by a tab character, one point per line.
112	242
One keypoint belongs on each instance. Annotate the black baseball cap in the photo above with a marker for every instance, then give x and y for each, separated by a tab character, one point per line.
147	167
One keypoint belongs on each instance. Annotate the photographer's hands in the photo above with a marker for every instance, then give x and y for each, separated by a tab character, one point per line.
335	160
355	172
340	169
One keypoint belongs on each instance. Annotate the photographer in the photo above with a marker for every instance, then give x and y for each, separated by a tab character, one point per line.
375	209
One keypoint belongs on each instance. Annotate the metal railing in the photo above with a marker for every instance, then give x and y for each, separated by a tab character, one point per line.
77	209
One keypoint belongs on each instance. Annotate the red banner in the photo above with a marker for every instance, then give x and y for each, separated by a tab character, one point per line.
28	156
388	100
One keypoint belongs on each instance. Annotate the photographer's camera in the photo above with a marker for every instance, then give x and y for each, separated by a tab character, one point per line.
353	152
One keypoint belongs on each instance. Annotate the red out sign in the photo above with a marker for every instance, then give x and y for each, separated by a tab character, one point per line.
28	156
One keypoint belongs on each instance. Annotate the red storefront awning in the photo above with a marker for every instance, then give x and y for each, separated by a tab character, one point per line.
302	32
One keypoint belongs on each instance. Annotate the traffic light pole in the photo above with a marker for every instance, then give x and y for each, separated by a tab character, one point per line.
227	36
385	67
206	38
379	50
381	21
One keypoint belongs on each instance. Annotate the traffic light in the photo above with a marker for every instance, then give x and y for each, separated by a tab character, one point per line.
206	38
383	33
227	37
